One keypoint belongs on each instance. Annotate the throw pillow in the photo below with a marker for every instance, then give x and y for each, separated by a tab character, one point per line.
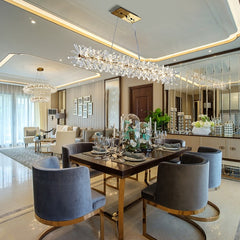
31	133
70	128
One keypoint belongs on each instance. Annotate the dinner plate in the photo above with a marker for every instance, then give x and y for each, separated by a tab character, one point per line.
97	152
133	159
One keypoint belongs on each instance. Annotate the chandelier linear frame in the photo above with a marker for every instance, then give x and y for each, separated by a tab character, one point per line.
120	64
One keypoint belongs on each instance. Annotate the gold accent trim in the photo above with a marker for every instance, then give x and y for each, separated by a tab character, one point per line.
68	222
52	18
208	219
126	15
175	211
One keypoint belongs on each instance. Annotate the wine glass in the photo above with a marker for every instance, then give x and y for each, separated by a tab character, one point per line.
106	144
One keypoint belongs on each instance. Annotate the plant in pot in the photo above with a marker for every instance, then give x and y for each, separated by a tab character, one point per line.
161	119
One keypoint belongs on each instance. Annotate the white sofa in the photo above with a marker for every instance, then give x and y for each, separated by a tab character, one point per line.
84	134
29	134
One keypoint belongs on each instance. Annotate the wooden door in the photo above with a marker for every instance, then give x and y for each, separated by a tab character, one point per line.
141	100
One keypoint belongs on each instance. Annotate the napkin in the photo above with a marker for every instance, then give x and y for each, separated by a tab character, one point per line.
172	145
134	155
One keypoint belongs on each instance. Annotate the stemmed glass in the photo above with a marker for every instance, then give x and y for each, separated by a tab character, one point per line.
106	144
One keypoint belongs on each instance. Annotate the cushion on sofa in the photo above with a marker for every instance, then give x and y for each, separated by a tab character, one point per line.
77	130
31	133
70	128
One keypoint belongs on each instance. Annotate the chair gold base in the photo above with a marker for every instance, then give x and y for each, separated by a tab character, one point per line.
45	233
57	224
183	217
208	219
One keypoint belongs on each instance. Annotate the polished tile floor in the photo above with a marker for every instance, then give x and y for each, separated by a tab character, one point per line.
17	214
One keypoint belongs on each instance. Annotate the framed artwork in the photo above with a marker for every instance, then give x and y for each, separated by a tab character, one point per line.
90	108
85	114
85	107
80	110
75	104
87	99
80	100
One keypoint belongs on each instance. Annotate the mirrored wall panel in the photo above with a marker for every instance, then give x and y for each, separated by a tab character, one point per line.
112	102
209	86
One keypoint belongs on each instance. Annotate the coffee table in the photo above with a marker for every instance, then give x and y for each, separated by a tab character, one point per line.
38	144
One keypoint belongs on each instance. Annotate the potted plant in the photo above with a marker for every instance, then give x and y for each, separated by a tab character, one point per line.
160	119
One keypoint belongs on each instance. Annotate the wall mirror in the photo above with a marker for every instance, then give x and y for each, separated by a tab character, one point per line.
112	101
209	86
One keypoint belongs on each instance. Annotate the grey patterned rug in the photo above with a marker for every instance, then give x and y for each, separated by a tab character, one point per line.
25	156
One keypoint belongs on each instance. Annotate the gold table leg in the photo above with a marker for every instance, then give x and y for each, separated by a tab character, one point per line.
121	208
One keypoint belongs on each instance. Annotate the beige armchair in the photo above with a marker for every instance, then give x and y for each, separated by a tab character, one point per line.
29	134
62	138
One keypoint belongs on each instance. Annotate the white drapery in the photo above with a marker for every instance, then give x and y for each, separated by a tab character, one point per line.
16	112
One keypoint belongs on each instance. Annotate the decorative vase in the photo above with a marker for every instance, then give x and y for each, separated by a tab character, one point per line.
131	132
201	131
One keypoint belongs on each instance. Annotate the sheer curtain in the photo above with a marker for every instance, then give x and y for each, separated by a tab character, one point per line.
16	112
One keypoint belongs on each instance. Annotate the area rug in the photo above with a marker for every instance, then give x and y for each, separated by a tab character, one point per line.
25	156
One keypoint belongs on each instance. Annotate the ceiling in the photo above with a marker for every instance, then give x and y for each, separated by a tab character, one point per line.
169	32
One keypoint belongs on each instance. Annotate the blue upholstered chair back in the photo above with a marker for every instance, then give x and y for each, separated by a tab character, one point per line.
183	186
214	156
73	149
61	194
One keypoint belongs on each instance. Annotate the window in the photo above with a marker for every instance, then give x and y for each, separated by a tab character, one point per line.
16	112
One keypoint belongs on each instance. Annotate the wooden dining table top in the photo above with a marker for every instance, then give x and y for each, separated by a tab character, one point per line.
123	170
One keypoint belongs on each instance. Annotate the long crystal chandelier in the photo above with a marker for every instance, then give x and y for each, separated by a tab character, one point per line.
120	64
40	91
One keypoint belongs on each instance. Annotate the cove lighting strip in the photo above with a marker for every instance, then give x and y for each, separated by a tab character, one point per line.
80	80
59	21
6	59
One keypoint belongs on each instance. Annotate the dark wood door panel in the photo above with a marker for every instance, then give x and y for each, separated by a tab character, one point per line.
141	100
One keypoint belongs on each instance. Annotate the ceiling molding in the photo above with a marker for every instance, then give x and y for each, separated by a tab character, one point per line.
63	23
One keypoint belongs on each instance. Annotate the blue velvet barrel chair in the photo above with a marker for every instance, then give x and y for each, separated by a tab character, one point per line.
181	190
64	196
182	144
80	147
214	156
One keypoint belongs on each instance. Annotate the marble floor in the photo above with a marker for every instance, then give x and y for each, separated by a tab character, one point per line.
17	220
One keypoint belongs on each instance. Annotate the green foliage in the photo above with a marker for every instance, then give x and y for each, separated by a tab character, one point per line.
160	118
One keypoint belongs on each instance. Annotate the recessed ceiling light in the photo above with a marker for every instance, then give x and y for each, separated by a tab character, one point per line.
33	21
60	60
174	60
210	51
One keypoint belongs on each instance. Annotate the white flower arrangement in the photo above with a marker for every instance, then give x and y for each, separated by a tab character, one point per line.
204	122
133	143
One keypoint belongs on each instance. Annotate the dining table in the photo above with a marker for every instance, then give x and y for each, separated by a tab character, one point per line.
122	169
